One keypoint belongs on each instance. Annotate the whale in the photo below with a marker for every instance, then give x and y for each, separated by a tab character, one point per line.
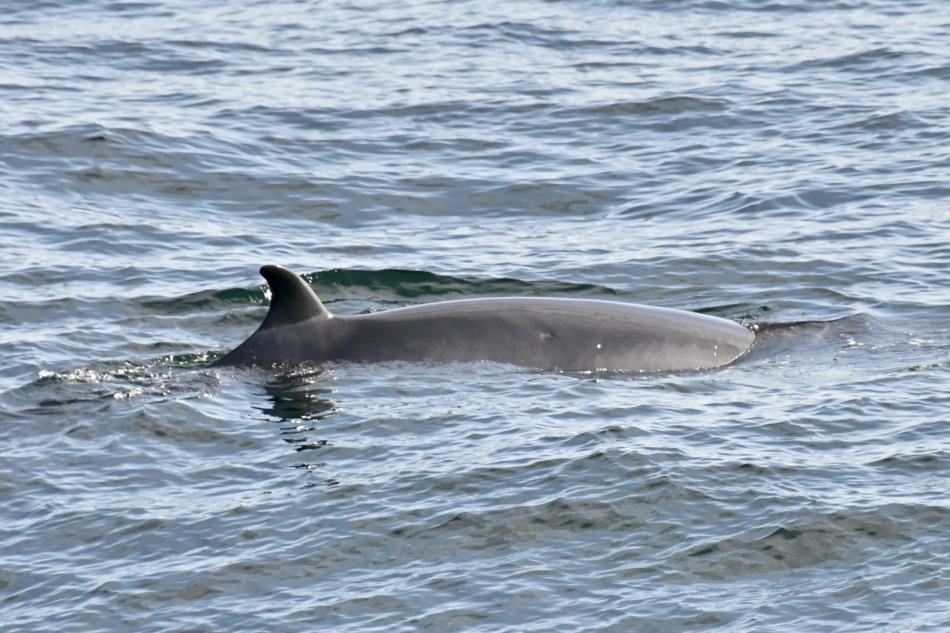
559	334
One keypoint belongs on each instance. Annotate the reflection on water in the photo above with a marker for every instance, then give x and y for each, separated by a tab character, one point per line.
298	403
299	395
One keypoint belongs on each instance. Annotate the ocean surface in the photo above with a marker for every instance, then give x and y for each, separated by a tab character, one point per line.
784	164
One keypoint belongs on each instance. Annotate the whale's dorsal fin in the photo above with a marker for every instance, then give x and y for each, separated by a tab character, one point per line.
291	298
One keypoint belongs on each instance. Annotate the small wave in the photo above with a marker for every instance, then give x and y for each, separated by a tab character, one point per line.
894	121
118	157
661	105
414	284
871	59
388	284
813	539
205	300
522	33
165	377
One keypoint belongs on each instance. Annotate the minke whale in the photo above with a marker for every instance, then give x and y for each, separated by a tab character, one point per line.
571	335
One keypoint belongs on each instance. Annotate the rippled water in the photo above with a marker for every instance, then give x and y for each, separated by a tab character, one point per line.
782	164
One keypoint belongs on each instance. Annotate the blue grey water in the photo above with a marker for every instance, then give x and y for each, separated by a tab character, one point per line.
784	164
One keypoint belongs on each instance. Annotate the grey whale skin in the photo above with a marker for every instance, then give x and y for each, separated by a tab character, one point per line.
543	333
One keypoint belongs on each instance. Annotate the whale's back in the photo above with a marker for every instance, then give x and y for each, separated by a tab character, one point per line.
545	333
548	333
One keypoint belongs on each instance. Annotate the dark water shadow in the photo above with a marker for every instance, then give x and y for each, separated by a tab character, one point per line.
813	337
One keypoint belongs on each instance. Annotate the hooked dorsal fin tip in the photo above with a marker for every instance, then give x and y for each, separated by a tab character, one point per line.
292	299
